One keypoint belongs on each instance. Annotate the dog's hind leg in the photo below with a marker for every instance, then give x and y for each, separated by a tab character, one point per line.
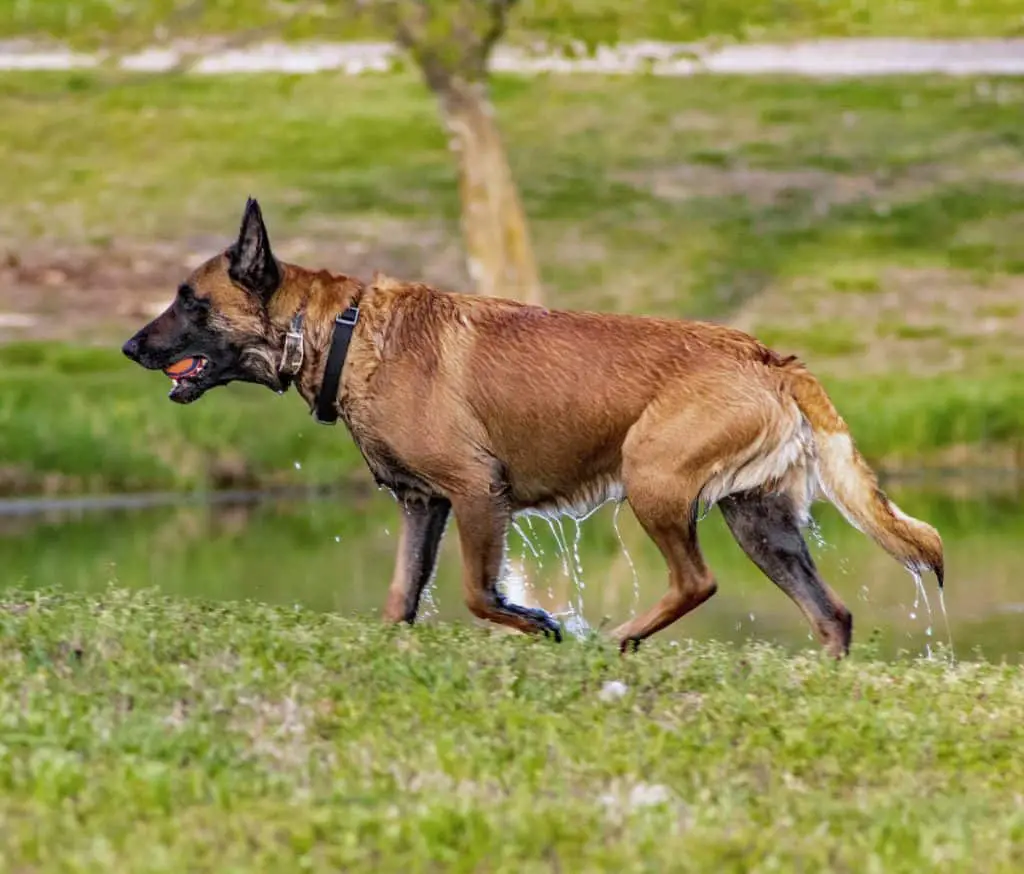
690	581
766	526
664	466
483	523
709	437
423	527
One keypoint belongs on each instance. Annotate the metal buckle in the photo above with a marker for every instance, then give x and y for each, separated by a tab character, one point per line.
294	348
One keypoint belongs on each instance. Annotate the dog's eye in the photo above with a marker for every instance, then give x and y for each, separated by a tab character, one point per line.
190	301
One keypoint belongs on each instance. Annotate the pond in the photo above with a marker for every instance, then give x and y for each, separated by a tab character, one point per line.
335	553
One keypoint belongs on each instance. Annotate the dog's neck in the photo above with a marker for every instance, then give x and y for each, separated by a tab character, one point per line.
302	319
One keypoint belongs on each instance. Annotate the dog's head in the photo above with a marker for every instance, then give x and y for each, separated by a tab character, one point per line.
218	330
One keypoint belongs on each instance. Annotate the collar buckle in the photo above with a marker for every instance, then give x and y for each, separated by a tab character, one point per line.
294	347
349	316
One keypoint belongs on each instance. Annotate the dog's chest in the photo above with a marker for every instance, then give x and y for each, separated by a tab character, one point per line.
389	471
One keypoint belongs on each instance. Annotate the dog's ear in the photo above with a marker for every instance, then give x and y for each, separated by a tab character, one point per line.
252	263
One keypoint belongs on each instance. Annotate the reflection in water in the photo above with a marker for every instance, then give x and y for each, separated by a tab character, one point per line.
335	553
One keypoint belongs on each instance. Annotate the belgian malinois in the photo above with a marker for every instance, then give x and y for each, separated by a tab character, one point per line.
485	408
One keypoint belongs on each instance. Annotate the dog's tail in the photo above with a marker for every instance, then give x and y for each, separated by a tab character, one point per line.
849	483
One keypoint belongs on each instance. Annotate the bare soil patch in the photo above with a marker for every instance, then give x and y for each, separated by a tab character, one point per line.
916	321
92	293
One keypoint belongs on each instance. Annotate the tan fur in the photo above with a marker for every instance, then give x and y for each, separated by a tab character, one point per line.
852	487
490	407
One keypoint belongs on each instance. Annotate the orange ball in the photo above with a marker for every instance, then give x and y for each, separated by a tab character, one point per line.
185	367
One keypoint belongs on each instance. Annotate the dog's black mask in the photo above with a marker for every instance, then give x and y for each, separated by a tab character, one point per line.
216	330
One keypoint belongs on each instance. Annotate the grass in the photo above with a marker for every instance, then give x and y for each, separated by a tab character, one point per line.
93	21
76	420
243	737
833	204
811	179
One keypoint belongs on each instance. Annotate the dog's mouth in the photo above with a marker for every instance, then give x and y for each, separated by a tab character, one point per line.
186	376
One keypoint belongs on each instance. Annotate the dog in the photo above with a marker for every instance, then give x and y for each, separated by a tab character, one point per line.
483	408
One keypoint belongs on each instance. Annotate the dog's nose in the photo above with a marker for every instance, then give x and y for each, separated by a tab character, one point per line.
131	348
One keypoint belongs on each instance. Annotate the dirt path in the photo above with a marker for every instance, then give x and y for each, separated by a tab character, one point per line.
825	58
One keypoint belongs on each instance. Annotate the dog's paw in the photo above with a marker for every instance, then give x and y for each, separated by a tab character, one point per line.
547	624
629	644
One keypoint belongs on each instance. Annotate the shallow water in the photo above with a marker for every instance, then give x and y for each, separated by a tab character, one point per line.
335	553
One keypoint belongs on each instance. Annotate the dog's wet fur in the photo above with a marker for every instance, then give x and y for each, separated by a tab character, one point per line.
483	408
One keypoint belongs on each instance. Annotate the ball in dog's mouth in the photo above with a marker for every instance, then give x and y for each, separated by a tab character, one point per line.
186	368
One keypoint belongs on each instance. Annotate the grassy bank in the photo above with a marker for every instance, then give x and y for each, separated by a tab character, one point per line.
78	420
244	737
97	21
703	195
75	421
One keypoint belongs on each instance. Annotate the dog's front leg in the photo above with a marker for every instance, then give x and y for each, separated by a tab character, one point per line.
483	524
419	540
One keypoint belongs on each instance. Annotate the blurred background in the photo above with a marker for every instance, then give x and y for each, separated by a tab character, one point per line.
843	178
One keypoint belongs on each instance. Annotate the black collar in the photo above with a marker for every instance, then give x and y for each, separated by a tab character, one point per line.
325	410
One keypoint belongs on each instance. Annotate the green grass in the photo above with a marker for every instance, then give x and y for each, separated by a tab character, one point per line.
824	340
812	179
92	21
86	420
147	734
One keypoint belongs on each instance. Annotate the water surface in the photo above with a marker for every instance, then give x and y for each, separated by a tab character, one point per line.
335	553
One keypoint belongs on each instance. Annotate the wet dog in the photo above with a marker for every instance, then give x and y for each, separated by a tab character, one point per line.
483	408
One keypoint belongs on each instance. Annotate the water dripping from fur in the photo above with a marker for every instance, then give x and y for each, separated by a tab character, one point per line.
575	623
921	594
629	561
704	507
429	606
525	538
945	619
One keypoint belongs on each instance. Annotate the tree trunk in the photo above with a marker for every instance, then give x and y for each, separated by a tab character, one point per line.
499	255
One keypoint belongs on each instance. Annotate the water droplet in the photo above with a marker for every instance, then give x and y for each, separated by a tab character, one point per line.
629	560
928	631
814	530
387	531
751	617
527	542
945	619
298	465
913	615
337	538
560	545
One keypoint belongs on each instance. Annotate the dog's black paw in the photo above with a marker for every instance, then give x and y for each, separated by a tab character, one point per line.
554	631
629	644
549	626
543	621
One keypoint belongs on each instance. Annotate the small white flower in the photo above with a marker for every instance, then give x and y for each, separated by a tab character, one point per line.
612	690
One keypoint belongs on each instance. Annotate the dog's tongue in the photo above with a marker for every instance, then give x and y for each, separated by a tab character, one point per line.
185	367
